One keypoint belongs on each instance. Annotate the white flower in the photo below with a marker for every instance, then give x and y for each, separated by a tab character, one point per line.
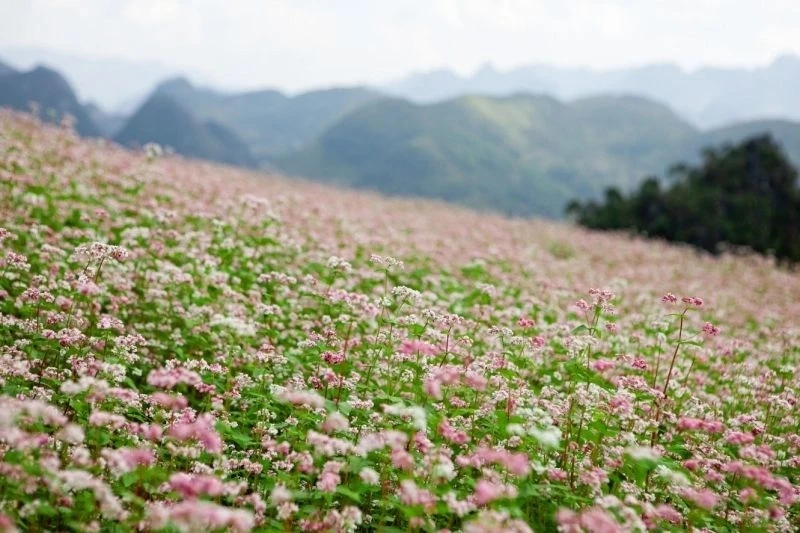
672	477
642	453
515	429
549	437
369	476
444	470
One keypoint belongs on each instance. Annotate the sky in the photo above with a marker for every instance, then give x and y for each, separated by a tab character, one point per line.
300	44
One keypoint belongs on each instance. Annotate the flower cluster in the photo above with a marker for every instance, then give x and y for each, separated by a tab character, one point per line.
189	347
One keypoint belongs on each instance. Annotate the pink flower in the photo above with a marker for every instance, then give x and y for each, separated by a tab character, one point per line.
525	323
582	305
330	479
538	341
475	381
693	301
452	434
335	422
411	347
669	298
591	520
739	438
601	365
597	520
202	430
703	498
710	329
198	515
169	401
168	378
689	424
668	513
303	399
433	388
6	524
410	494
402	459
486	491
747	495
333	358
193	485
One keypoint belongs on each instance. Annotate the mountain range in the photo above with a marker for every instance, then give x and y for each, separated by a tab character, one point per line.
118	86
163	120
521	154
49	91
708	97
269	121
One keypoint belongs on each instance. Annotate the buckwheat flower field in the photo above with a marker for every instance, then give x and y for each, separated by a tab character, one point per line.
188	347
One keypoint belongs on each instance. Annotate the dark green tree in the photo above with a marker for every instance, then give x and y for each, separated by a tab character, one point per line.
743	195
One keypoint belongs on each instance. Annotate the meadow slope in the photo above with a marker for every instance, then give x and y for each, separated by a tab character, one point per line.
191	347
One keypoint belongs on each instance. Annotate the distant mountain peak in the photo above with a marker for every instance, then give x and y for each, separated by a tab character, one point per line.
51	91
5	68
704	95
164	120
786	61
177	83
486	68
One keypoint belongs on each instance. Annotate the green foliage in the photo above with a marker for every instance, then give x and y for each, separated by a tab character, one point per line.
743	195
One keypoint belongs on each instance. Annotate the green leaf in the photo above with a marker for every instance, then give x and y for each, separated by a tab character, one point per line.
129	479
580	329
353	495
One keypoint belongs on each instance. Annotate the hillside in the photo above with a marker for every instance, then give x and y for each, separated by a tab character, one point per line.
520	155
51	92
705	96
193	347
269	121
163	120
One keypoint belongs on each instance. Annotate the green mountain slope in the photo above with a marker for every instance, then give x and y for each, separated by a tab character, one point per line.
164	121
521	155
268	121
50	91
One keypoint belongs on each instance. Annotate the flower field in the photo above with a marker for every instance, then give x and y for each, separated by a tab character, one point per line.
188	347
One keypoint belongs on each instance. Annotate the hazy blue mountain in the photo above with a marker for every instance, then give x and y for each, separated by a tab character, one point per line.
52	94
6	69
785	132
108	123
116	85
706	96
161	119
269	121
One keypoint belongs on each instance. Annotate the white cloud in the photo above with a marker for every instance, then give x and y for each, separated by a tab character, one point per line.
297	44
